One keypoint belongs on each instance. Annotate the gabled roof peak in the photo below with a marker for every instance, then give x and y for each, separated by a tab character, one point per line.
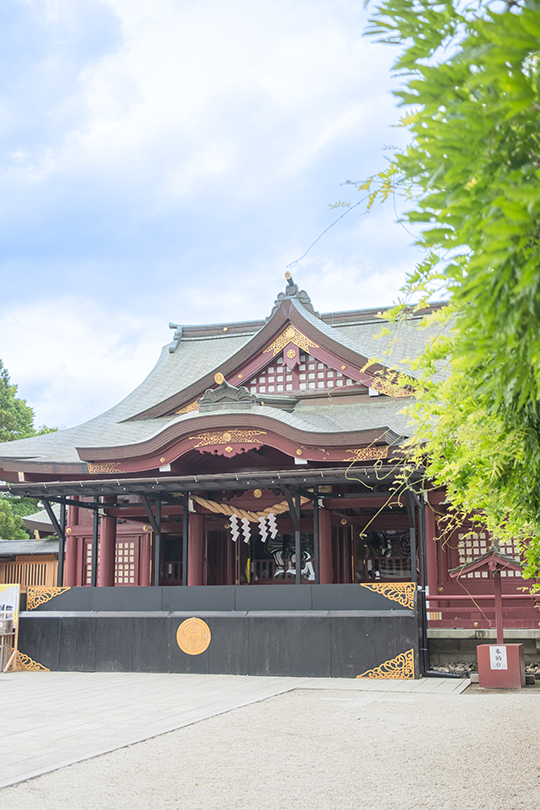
292	291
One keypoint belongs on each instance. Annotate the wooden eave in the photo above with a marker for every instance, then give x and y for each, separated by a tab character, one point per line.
243	420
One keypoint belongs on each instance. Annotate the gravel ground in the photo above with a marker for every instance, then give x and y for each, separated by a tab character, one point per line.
326	750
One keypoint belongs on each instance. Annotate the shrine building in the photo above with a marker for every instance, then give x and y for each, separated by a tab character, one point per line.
244	510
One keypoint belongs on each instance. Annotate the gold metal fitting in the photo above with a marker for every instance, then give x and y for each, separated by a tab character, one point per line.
257	493
219	378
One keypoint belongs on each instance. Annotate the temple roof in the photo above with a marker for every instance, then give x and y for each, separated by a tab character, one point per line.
163	411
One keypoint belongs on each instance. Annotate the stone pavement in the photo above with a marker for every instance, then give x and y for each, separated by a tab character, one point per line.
53	719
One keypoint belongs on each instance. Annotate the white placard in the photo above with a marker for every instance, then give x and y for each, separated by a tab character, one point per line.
497	658
9	603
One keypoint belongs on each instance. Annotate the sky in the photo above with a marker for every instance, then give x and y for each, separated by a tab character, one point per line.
165	160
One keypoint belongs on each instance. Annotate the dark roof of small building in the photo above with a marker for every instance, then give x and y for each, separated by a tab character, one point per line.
20	548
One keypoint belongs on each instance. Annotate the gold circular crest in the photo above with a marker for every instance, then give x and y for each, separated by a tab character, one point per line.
219	378
291	353
193	636
290	332
257	493
227	437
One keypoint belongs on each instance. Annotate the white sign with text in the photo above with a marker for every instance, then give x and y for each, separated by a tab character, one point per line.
497	658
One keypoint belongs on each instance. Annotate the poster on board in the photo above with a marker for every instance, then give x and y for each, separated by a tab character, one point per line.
9	604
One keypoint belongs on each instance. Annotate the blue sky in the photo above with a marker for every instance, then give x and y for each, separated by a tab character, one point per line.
164	160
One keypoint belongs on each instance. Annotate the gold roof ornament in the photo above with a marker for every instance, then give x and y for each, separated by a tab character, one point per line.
219	378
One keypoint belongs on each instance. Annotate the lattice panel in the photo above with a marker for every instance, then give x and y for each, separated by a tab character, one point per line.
310	374
88	561
125	563
475	544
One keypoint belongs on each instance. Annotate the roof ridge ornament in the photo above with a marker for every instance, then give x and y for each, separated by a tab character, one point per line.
225	395
292	291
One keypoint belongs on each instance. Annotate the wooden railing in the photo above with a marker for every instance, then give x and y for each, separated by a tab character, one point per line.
31	571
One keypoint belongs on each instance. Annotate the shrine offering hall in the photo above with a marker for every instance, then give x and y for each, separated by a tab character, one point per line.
246	510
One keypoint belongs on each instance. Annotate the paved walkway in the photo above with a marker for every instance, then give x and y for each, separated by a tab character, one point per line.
53	719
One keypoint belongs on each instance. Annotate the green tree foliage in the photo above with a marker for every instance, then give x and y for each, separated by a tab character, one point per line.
469	80
16	422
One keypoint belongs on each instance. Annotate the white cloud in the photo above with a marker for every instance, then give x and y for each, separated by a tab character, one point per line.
239	92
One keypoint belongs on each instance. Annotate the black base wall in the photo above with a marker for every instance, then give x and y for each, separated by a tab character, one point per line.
294	644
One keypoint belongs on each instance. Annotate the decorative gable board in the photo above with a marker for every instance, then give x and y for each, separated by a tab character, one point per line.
309	374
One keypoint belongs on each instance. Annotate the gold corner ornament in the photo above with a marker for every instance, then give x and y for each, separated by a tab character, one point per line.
193	636
402	592
193	406
399	668
23	663
290	335
38	595
219	378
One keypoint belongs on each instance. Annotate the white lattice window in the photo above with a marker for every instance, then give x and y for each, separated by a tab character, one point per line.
88	562
474	544
310	374
124	563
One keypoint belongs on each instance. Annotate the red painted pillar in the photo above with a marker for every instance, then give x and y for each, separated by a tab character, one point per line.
145	565
70	566
107	548
326	573
498	606
196	549
73	513
432	573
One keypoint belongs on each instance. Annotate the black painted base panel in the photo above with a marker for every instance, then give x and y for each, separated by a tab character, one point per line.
303	645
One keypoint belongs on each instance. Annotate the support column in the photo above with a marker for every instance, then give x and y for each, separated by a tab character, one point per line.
107	547
326	573
70	578
145	565
185	538
432	574
95	534
196	550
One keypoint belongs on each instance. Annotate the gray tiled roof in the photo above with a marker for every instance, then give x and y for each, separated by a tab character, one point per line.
196	356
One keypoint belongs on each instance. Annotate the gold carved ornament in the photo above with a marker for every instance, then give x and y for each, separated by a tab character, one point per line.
106	467
38	595
368	453
193	406
402	592
226	509
24	663
399	668
228	436
290	335
193	636
390	389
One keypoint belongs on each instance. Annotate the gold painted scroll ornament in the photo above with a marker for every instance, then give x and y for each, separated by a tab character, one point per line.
107	467
193	636
290	335
23	663
368	453
193	406
38	595
399	668
228	437
402	592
